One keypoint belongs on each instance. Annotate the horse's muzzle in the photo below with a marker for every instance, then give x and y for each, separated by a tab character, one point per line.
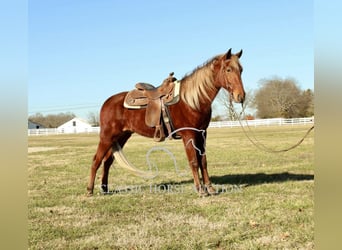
239	98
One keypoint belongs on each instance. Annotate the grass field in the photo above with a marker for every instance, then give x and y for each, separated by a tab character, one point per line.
264	200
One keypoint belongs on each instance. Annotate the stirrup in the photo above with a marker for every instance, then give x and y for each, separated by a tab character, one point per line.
159	134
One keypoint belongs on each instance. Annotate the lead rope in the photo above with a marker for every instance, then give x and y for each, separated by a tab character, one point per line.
256	142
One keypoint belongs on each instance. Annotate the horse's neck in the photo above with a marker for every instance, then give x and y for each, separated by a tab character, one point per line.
213	95
199	89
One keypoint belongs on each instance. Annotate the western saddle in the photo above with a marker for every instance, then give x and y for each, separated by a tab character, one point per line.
155	100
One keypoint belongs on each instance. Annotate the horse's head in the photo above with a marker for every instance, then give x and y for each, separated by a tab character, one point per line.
228	71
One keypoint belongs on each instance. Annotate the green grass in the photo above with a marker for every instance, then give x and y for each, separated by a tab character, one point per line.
264	201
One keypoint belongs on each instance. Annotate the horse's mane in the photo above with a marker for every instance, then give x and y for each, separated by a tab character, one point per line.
197	84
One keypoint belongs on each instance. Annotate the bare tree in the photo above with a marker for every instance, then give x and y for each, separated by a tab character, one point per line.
51	120
225	100
307	103
280	98
94	119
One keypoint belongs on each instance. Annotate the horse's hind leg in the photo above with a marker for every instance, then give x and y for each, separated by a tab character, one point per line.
102	150
108	160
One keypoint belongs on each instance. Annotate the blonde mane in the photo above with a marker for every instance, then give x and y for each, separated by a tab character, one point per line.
197	84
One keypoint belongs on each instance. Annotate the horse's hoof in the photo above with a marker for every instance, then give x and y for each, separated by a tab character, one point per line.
210	190
104	188
202	192
90	192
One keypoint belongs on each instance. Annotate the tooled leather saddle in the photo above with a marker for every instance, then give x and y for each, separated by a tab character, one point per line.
155	100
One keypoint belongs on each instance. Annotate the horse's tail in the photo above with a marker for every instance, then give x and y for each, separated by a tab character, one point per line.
123	162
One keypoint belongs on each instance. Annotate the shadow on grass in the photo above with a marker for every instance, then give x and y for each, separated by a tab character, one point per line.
251	179
259	178
225	183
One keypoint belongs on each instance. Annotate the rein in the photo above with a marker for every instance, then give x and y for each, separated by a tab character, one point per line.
255	141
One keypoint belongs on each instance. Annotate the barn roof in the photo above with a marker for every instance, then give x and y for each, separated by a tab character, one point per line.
34	125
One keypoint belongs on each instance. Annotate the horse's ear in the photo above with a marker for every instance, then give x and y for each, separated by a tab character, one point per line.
239	54
229	54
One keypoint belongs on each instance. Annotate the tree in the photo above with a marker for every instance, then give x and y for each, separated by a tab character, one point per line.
307	103
281	98
224	99
51	120
93	119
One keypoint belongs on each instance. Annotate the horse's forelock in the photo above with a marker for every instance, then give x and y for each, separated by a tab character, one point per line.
234	63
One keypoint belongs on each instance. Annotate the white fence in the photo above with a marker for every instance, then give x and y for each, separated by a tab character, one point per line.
263	122
220	124
55	131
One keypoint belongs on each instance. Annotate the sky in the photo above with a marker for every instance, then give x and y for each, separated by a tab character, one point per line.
81	52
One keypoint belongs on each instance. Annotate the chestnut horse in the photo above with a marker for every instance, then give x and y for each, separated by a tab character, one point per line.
197	92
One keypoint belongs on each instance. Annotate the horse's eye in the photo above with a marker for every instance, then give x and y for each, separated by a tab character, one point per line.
229	70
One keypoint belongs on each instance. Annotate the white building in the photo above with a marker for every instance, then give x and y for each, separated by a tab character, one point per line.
75	125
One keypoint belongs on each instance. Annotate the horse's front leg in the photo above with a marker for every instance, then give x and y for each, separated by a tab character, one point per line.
194	158
205	176
201	142
202	159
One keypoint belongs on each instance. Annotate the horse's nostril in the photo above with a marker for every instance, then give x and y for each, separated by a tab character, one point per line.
241	98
